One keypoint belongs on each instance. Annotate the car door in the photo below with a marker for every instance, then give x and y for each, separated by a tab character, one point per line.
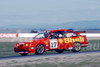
56	40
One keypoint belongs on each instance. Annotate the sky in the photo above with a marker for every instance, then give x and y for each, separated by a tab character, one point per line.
30	12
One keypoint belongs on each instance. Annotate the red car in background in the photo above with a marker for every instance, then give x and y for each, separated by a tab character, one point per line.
58	40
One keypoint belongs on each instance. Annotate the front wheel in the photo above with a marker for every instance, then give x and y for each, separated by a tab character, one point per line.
23	54
39	49
76	47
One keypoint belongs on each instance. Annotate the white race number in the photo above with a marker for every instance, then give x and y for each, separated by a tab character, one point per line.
53	43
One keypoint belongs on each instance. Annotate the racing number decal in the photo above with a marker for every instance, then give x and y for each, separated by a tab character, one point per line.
53	43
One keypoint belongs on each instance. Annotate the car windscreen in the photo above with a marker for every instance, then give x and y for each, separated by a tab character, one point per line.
42	35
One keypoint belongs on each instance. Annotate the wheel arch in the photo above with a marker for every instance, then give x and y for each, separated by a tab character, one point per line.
76	42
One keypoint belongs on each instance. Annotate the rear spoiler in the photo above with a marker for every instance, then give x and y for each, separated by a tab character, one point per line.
78	32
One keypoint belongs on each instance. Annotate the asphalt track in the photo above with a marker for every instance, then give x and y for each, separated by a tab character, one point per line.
48	55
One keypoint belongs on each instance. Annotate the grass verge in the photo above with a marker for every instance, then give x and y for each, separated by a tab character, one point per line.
7	48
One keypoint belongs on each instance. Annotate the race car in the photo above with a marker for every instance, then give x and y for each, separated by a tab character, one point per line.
58	40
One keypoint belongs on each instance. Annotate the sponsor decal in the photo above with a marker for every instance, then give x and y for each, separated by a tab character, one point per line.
70	40
46	42
8	35
60	41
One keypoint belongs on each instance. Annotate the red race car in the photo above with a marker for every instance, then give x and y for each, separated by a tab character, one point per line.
58	40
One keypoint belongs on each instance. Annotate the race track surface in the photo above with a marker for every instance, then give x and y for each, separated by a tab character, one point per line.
93	56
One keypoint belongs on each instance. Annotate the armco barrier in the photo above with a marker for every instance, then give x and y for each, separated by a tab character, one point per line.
34	34
17	34
91	34
16	37
27	34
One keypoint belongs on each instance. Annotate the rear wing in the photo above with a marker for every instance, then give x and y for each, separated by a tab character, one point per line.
78	32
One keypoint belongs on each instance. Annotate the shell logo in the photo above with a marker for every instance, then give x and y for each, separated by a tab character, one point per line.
70	40
60	41
46	42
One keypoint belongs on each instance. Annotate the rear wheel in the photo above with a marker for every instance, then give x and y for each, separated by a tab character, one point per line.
39	49
23	54
76	47
60	50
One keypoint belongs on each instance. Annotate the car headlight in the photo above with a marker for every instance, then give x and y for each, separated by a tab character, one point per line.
17	45
26	45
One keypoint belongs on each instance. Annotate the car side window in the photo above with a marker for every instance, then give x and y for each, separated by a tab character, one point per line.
70	34
56	35
75	35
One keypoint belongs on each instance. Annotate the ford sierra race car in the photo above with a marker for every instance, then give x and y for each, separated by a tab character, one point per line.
58	40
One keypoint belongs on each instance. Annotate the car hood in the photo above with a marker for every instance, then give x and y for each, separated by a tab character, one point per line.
30	41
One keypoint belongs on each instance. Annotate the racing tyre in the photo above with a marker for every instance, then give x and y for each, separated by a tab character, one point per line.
76	47
23	54
60	50
39	49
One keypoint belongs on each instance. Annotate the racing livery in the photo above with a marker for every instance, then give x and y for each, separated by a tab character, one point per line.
58	40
